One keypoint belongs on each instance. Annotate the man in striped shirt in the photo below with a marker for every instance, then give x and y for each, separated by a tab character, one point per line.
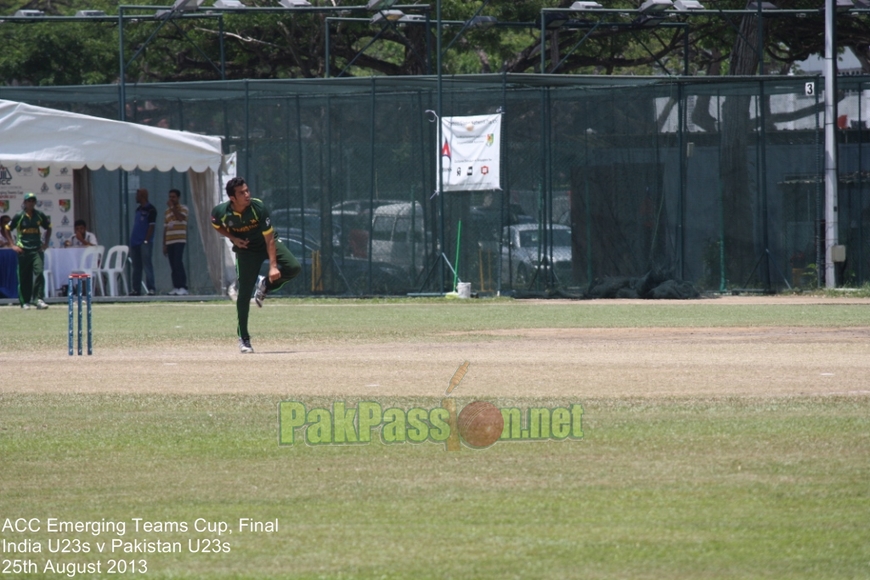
174	240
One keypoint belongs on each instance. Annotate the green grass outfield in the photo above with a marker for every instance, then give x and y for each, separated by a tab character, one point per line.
748	487
158	323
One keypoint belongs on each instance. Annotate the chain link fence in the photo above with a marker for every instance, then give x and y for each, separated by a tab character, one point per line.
610	186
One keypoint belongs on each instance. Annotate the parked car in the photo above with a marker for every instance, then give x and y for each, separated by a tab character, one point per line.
354	217
361	207
488	220
286	220
296	234
524	254
398	236
351	275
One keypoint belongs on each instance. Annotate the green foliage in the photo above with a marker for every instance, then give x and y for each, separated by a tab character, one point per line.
50	54
284	45
811	275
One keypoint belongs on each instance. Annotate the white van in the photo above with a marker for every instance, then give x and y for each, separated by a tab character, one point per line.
398	236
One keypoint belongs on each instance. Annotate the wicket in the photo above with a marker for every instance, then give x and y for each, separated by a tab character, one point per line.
77	285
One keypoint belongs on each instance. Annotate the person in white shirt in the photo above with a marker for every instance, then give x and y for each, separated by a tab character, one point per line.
82	237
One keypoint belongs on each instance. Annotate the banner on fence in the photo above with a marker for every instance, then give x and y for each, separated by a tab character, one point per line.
53	186
470	153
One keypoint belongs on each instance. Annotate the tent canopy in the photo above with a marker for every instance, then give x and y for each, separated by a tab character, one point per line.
36	134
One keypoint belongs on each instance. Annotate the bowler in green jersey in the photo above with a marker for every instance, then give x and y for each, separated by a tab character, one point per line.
31	251
245	221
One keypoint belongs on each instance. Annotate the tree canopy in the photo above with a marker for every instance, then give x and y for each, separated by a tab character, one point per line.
292	44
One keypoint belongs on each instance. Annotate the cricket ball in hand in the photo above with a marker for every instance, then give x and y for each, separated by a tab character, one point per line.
480	424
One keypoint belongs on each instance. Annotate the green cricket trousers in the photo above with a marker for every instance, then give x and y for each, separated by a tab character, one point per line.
248	266
31	277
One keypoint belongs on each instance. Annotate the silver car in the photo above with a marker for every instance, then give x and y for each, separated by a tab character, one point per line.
524	254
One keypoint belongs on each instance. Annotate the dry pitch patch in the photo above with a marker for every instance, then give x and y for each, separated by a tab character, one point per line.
578	363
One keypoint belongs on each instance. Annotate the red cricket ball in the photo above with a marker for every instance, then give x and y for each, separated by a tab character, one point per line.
480	424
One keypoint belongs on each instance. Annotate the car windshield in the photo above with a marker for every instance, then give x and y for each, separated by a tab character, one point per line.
531	238
284	219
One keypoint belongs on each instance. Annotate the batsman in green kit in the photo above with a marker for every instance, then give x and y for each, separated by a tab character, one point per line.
245	221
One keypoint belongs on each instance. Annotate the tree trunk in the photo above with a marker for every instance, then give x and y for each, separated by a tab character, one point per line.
701	116
738	190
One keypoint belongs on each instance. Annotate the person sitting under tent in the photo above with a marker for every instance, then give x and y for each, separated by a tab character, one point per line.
82	237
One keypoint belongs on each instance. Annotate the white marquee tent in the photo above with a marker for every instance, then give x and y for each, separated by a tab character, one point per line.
33	135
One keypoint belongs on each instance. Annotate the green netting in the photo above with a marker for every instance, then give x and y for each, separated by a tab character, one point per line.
716	181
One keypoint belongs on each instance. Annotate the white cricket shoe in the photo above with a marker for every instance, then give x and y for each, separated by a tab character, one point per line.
260	294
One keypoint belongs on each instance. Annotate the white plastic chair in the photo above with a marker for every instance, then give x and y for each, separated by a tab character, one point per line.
48	275
113	268
90	264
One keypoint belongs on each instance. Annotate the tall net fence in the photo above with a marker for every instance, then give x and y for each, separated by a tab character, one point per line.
717	182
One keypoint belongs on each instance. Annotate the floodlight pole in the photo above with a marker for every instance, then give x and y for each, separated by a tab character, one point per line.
686	51
762	152
123	224
122	92
326	31
831	161
438	108
759	22
223	51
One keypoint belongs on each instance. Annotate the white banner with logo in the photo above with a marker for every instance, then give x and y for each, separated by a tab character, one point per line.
470	152
53	186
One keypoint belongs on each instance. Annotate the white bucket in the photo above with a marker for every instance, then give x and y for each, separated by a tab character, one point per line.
463	289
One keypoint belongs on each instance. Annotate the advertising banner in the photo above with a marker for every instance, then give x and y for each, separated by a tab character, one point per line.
470	153
53	186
